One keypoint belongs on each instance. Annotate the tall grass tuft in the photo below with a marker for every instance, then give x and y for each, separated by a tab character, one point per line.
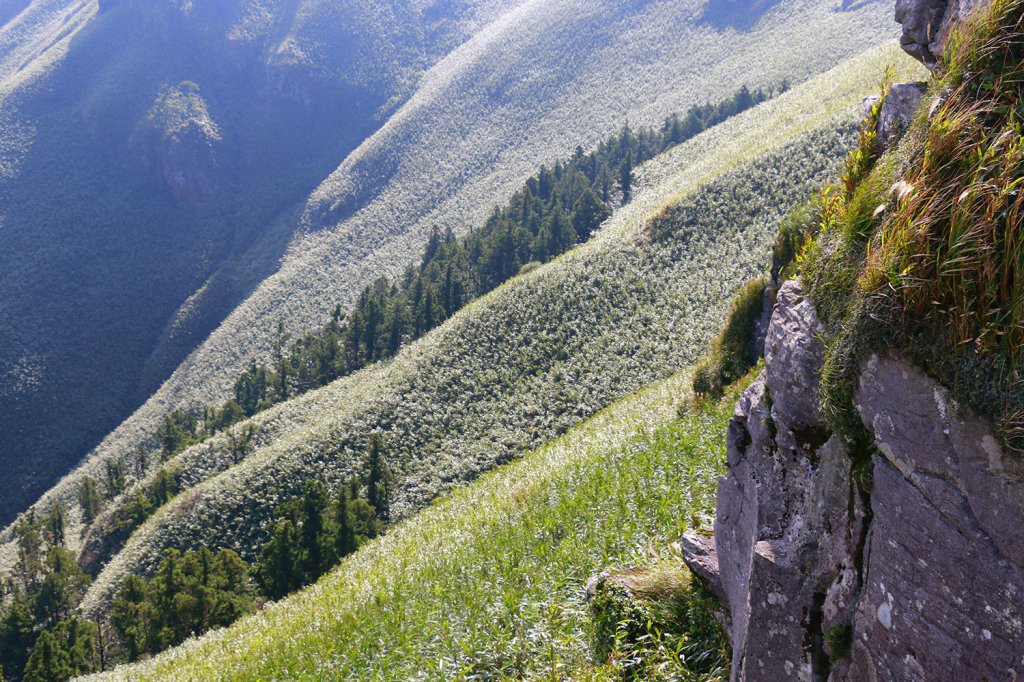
922	250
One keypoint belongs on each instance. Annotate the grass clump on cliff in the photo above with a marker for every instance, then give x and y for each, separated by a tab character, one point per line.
654	622
732	353
922	251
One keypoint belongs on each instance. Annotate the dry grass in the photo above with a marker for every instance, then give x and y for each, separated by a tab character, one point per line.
921	251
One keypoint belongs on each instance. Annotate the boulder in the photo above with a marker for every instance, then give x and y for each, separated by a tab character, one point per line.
898	110
793	357
927	25
921	21
702	558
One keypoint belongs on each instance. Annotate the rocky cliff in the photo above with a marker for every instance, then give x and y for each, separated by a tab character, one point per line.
898	558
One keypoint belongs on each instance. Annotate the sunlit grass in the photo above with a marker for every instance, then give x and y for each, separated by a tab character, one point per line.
489	583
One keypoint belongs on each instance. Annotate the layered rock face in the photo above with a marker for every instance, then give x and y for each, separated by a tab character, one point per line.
914	572
899	559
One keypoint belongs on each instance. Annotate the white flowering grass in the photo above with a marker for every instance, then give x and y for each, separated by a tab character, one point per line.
488	583
537	356
541	77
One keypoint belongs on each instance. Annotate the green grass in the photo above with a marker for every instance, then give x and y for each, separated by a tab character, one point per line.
524	83
732	354
489	583
921	251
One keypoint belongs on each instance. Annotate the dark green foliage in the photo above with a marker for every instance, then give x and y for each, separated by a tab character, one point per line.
626	177
49	661
40	635
314	543
279	570
177	432
54	525
66	651
732	352
89	499
379	479
55	597
116	478
311	534
647	615
17	636
146	500
190	594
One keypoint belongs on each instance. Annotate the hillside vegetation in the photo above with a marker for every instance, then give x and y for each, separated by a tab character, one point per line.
434	600
919	251
474	129
628	308
153	158
557	208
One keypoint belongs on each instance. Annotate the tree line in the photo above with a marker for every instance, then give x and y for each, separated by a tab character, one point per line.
556	209
42	637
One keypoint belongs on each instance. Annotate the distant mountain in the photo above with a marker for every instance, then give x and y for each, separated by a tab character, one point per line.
154	158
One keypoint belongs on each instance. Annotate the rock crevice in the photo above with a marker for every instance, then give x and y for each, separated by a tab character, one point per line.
919	576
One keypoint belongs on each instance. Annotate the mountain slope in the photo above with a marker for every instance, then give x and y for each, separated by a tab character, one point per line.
482	119
155	157
629	307
596	497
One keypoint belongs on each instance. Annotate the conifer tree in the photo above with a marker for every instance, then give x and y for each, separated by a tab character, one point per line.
49	661
588	214
378	483
626	178
279	570
89	499
344	528
313	532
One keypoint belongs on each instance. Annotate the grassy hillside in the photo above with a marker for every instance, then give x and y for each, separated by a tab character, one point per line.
133	221
486	116
434	599
547	350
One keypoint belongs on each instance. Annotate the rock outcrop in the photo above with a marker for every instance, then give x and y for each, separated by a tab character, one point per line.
918	575
898	111
927	25
178	142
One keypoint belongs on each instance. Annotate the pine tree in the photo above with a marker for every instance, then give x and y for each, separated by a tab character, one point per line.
378	483
55	524
344	524
128	616
30	556
49	661
588	214
626	178
89	499
279	570
17	635
116	478
313	535
61	588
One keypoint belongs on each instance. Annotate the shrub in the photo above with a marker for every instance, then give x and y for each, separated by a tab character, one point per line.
734	351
